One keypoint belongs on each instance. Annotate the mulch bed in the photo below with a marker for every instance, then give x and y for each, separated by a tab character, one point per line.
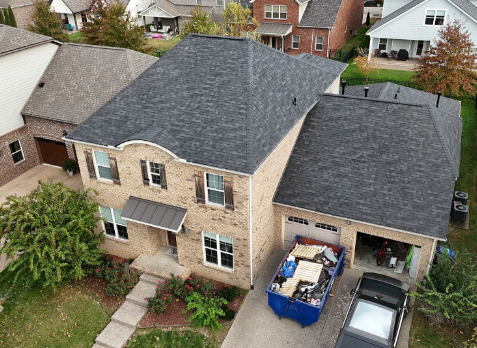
96	288
173	316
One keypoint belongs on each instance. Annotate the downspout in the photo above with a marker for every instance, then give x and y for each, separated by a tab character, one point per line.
312	38
250	227
328	46
431	257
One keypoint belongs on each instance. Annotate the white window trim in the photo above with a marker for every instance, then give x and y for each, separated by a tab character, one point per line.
149	174
298	42
279	12
206	188
219	259
114	225
96	167
379	43
21	150
434	25
322	43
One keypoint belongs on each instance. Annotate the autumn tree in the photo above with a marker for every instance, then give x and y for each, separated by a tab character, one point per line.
239	21
448	66
46	23
365	66
11	16
200	23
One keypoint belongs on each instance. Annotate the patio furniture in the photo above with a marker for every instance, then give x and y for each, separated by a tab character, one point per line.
377	52
153	29
164	29
393	54
68	26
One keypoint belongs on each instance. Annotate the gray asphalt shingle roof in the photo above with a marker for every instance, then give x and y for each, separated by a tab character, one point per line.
373	161
13	39
329	65
227	102
320	13
78	5
82	78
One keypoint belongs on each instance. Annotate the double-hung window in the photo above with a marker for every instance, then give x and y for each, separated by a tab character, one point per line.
199	2
275	12
16	151
319	43
220	2
215	189
154	173
103	165
218	250
295	41
383	44
115	225
435	17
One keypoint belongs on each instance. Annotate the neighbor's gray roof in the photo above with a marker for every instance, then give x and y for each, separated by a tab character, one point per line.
14	39
320	13
274	28
373	161
227	102
78	5
329	65
175	10
81	78
163	216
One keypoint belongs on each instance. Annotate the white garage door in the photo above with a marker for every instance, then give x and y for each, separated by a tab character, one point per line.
294	225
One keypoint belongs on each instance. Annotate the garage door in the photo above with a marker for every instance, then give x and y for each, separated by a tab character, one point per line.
295	225
52	152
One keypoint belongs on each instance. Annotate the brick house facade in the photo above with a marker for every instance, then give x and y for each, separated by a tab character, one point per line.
319	26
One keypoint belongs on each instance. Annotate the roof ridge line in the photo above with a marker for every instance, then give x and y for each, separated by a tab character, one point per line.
95	46
317	67
249	126
444	145
130	65
372	99
384	90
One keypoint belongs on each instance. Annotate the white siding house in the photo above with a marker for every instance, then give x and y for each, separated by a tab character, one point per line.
415	24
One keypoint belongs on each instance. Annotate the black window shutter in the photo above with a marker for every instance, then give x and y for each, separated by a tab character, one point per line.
229	193
90	164
145	177
162	169
114	170
199	187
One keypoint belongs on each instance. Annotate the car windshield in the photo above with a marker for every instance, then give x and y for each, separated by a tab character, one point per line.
384	293
372	318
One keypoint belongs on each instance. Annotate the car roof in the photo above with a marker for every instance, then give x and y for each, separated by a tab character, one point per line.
388	280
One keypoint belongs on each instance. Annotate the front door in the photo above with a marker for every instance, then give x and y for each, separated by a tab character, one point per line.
420	47
274	42
171	239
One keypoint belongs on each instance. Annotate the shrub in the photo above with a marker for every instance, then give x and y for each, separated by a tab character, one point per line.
205	287
206	311
229	314
161	299
70	166
178	286
229	293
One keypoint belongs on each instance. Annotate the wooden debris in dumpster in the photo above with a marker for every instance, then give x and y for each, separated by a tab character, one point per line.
305	251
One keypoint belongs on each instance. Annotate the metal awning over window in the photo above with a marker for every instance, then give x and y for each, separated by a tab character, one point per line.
274	29
166	217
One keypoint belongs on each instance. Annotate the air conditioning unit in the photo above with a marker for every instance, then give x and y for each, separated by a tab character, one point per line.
459	213
461	197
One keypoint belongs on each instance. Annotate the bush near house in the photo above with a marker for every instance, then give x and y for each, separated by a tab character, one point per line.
11	16
113	270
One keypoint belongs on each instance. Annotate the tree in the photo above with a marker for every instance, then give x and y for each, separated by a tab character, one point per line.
53	230
239	22
365	66
93	27
11	16
5	14
449	63
368	19
2	19
46	23
200	23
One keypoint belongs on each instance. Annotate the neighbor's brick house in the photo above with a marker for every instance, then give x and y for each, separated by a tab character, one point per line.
300	26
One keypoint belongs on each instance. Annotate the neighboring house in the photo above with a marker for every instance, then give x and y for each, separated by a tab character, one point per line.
307	26
24	57
374	10
412	25
77	82
22	10
198	143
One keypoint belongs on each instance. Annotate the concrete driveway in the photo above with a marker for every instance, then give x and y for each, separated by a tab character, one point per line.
256	325
28	181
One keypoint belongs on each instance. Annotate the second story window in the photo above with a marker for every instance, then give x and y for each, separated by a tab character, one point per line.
102	165
215	189
275	12
319	43
153	174
435	17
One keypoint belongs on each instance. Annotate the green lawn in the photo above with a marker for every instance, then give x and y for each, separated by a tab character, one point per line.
36	317
383	74
171	339
76	37
359	40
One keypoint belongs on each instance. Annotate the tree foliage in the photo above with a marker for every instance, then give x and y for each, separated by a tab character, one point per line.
11	16
365	66
2	19
368	19
110	25
46	23
238	21
6	16
449	63
450	290
200	23
53	230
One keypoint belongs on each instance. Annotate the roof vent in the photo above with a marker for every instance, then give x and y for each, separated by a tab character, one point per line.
294	101
399	89
41	84
438	97
343	84
461	197
366	89
459	213
395	96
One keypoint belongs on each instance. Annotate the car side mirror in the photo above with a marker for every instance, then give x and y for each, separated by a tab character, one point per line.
352	292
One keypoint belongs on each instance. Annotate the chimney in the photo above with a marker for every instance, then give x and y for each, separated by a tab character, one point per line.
343	84
366	89
438	97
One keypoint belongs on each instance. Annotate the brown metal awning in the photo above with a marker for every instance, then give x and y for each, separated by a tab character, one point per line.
154	214
274	29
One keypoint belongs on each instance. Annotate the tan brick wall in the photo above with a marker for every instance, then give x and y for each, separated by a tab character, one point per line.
348	234
8	169
23	15
264	184
181	193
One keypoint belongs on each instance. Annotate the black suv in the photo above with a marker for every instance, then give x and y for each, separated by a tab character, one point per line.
375	314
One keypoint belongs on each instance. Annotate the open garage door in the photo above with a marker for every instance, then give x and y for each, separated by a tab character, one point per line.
295	225
52	152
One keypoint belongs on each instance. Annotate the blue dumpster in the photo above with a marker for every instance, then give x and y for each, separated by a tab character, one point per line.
295	309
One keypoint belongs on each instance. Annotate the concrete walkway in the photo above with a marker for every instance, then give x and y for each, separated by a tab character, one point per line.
257	325
125	319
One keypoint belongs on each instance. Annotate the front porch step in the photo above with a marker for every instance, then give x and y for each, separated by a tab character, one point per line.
141	291
129	314
147	278
115	335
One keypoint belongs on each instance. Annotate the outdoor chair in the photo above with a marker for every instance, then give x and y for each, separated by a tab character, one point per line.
393	54
377	52
153	29
68	26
